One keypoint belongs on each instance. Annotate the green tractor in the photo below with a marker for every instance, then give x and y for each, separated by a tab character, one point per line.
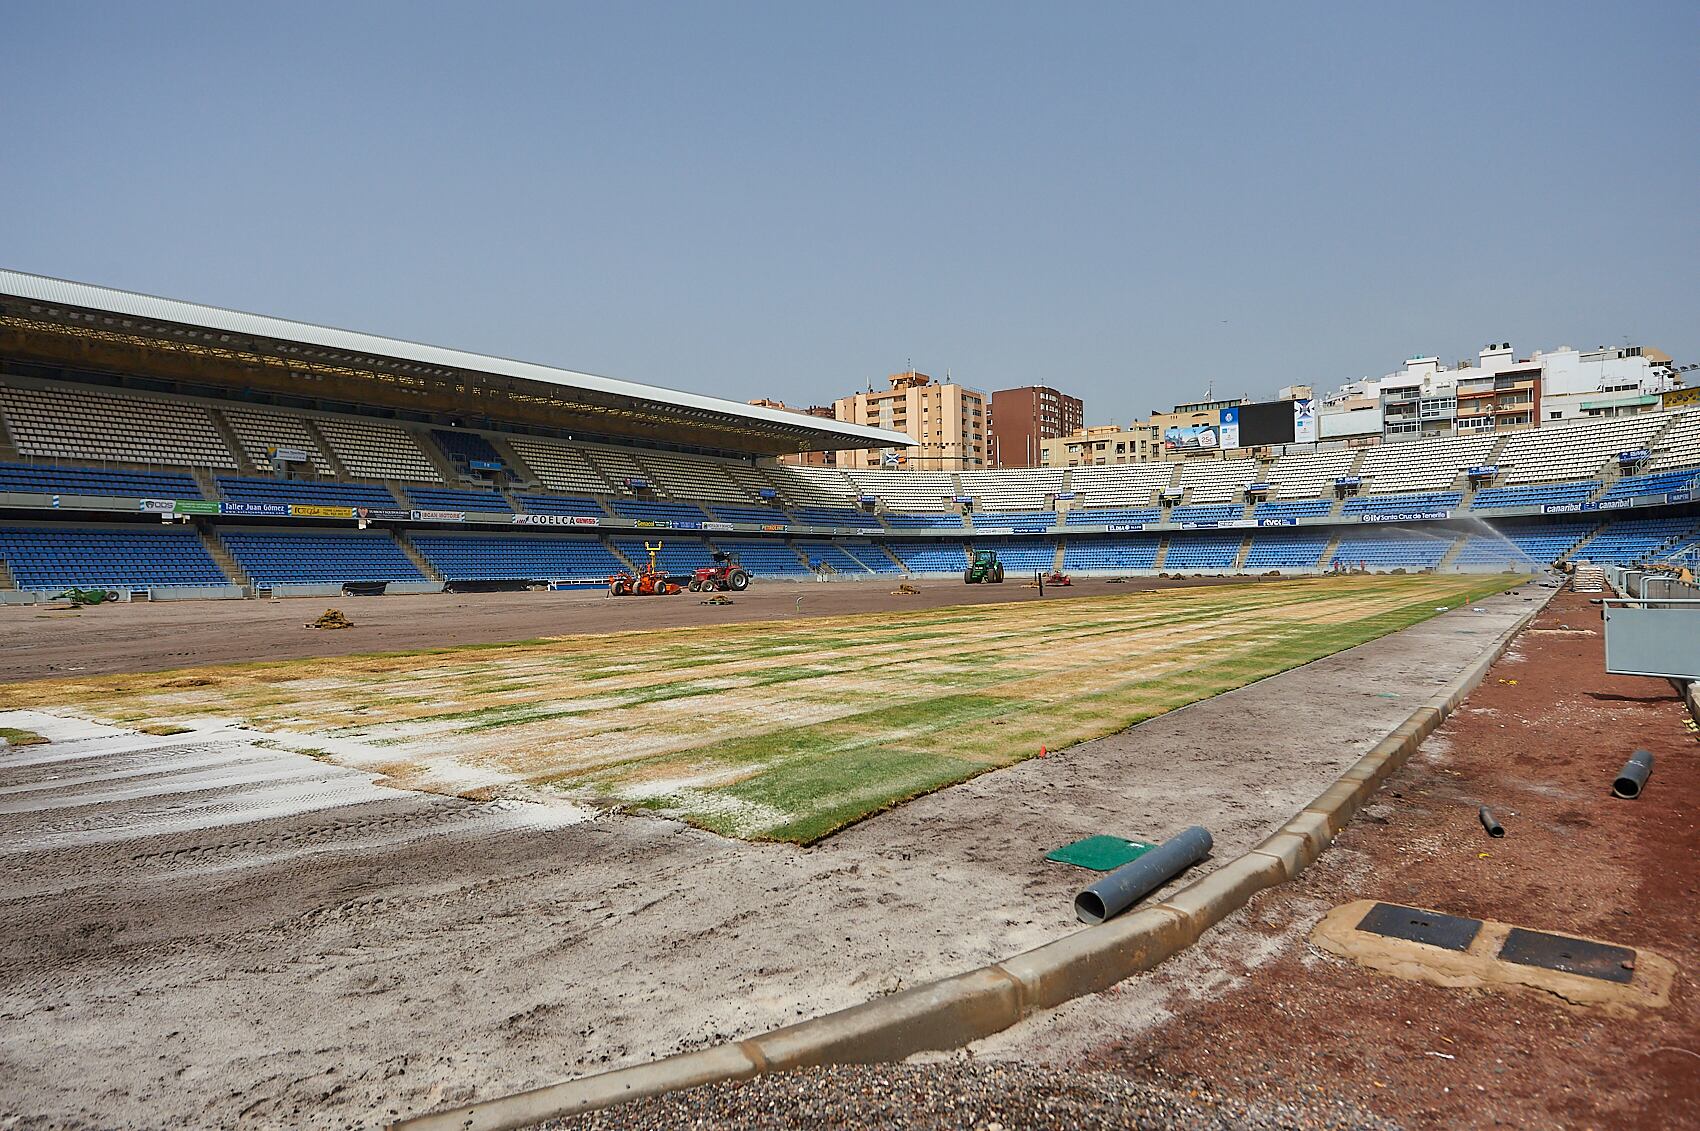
985	568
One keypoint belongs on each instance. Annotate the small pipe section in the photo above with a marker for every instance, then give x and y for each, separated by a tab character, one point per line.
1493	827
1633	776
1132	882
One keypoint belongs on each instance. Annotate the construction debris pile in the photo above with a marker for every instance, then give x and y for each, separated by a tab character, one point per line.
331	618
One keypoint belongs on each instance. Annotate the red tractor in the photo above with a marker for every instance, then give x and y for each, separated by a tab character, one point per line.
650	581
724	574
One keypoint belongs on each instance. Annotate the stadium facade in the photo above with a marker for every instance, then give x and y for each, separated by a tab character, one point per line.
164	448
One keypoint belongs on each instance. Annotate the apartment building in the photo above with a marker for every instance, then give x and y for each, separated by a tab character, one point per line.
1019	421
946	421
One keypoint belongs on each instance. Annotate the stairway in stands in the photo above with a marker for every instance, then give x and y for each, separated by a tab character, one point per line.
8	449
420	561
231	441
226	561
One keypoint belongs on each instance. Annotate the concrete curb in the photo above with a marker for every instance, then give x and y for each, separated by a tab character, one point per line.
955	1011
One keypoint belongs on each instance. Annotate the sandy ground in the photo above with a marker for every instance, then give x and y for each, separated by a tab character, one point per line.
309	949
38	642
1539	741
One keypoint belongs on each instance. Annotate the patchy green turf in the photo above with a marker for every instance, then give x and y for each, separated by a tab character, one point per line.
785	730
16	736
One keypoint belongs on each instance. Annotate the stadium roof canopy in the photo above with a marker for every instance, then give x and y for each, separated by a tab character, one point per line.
198	348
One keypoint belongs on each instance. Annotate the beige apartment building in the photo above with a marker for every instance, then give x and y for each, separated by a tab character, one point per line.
946	421
1104	444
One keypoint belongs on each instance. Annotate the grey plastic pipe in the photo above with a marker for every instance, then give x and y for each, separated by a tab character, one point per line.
1633	776
1132	882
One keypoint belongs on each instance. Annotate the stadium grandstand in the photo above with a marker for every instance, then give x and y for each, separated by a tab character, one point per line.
165	449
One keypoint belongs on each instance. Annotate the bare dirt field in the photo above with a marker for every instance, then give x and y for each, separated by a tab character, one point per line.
1540	742
782	731
204	931
39	642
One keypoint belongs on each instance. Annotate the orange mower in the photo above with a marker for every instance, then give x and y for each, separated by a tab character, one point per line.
649	582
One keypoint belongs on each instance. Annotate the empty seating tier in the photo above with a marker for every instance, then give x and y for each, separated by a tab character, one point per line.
1035	520
1574	451
1111	516
466	448
1024	489
910	520
1133	485
372	450
1203	550
1220	512
96	481
1534	495
242	489
560	504
763	515
1108	555
83	425
1308	474
260	433
1658	483
1522	545
1392	549
838	556
685	477
1415	505
676	556
1216	480
908	490
646	510
438	499
1680	444
1626	541
771	558
1025	556
517	557
931	557
54	558
1422	465
291	557
1286	549
1301	508
559	467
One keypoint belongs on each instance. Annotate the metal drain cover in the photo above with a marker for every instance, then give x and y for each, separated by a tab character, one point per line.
1393	921
1571	956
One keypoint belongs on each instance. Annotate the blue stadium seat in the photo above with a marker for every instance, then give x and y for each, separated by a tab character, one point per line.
921	520
517	557
53	558
285	557
1215	512
1635	486
931	557
1022	555
316	492
765	516
433	498
1418	503
1113	516
764	558
1528	545
96	481
644	510
1205	549
1534	494
1293	508
1627	541
1108	555
1287	549
1392	549
561	504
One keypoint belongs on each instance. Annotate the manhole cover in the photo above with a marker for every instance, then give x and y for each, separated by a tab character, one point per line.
1449	932
1572	956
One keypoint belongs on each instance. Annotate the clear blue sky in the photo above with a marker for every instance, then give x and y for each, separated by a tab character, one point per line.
793	199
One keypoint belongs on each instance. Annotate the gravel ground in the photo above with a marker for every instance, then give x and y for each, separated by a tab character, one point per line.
969	1097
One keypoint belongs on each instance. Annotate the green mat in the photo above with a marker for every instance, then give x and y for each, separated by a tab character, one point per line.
1100	853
